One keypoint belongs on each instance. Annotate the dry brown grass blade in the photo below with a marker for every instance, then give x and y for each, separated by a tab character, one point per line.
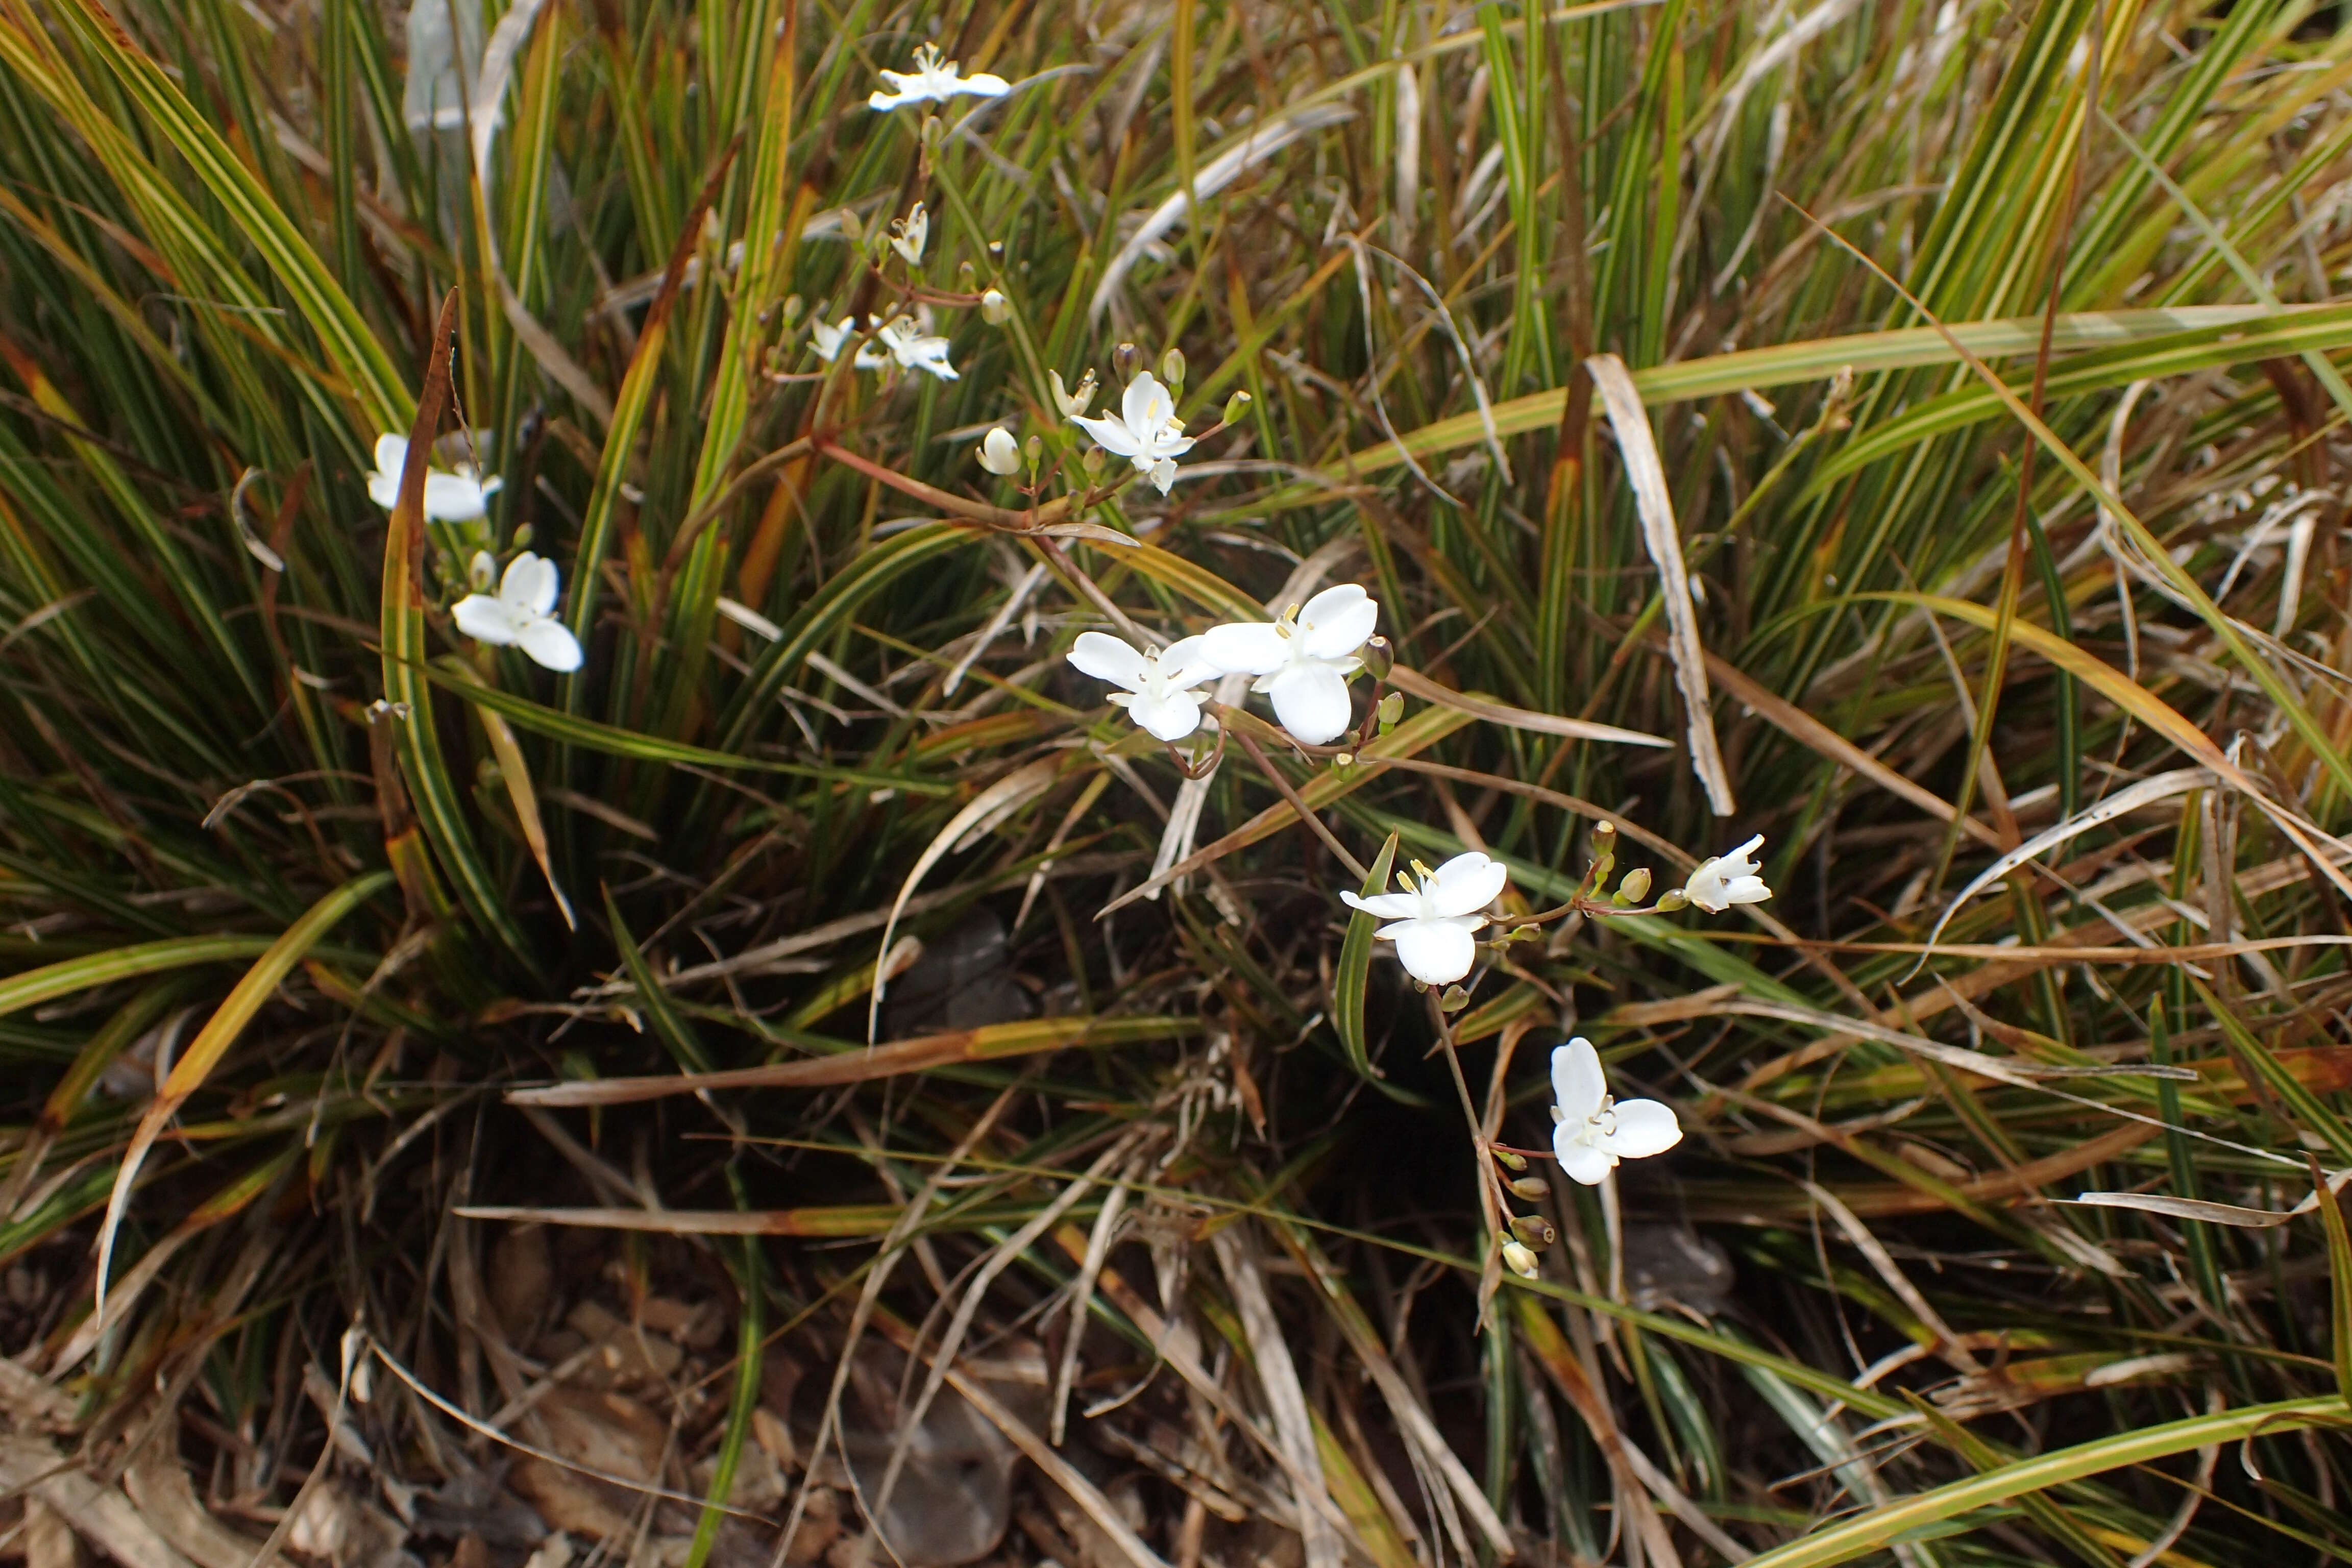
1413	684
1804	729
1277	1376
157	1482
1652	500
994	1042
1558	1358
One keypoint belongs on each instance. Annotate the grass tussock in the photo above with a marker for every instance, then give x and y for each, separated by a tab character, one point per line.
453	1071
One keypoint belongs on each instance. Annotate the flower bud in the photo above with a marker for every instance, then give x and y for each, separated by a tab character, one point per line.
1670	900
1636	887
1529	1187
1510	1160
1391	708
483	573
1344	759
1171	369
1094	461
1455	999
523	537
1124	359
792	309
967	278
1234	404
1604	838
1524	934
1534	1230
1032	449
999	453
1380	656
1520	1261
994	309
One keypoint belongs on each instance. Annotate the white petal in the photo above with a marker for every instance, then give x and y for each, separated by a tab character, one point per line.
1141	401
1384	906
986	85
391	452
1644	1127
1337	620
1705	888
1170	717
450	498
1106	658
528	587
999	453
1186	663
1746	891
384	489
1162	474
1246	648
1167	443
1435	952
1110	435
484	619
1578	1084
1311	700
1582	1162
1742	860
1468	883
552	644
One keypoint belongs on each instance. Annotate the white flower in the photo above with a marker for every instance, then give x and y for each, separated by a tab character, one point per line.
994	309
909	235
999	452
903	338
1593	1130
1302	661
1158	694
518	617
1071	403
1144	431
458	495
1728	879
933	80
827	340
1432	920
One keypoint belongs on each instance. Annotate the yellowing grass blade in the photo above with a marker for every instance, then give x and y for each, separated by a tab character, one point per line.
206	1051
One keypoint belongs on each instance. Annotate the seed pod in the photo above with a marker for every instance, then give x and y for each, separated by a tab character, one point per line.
1380	656
1531	1188
1534	1230
1124	359
1455	999
1636	887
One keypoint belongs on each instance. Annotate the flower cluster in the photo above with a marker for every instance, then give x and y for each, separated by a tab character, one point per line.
901	340
1302	662
521	614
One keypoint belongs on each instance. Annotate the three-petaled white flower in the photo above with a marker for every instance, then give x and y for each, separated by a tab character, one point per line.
1159	687
1303	660
1144	431
1728	879
902	338
934	80
909	235
1071	403
519	616
1432	920
1591	1130
458	495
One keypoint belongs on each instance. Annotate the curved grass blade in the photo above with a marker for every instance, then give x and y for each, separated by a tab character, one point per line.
228	1022
1348	981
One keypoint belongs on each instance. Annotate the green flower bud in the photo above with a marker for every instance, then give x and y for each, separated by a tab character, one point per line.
1234	404
967	279
1380	656
1094	461
1171	368
1455	999
1636	887
1672	899
1510	1159
1032	449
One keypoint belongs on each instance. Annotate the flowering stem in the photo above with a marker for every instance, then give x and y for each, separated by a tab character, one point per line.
1355	867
